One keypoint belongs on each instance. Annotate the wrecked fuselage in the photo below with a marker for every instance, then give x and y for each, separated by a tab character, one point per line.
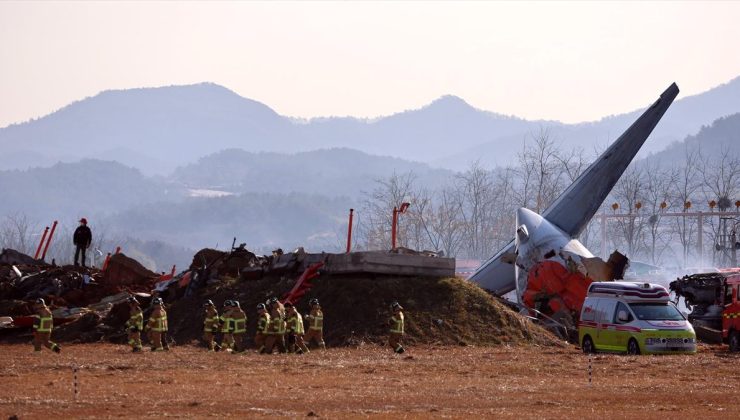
553	270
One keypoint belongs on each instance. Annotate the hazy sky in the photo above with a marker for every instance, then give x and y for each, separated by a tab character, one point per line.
569	61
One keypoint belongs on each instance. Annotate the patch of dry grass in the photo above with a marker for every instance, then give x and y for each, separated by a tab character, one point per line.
502	381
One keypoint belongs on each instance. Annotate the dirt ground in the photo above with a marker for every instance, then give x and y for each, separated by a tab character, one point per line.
427	381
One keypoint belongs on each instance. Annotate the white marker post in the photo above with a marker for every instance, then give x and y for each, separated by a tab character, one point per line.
75	382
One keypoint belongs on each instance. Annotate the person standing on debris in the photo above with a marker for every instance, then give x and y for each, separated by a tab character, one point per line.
315	324
295	330
157	325
43	323
135	324
239	320
276	332
263	326
227	327
210	325
396	328
82	239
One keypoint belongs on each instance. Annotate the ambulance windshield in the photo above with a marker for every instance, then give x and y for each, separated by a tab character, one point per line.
656	312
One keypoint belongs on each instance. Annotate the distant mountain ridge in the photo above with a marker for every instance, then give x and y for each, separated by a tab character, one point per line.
67	191
723	135
159	129
332	172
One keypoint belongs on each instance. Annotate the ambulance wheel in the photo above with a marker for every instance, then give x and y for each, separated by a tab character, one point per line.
633	347
588	345
734	341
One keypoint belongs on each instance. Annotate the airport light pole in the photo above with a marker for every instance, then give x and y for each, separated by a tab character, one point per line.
700	215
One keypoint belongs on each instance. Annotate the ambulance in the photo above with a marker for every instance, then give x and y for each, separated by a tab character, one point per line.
633	318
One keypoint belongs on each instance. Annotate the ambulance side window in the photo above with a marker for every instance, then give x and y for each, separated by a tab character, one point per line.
589	310
622	307
606	311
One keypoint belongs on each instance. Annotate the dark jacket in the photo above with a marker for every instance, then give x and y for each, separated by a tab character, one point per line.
82	236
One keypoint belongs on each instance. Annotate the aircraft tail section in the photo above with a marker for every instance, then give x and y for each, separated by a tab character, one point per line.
575	207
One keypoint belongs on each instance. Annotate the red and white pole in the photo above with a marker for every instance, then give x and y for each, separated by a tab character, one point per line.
349	231
394	224
106	262
48	242
41	243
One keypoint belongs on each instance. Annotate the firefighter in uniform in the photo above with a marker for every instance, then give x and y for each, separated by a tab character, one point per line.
275	332
263	326
43	323
135	324
157	325
239	321
315	324
295	330
396	328
227	328
210	325
274	302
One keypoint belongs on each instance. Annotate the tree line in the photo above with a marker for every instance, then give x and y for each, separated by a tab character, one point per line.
473	215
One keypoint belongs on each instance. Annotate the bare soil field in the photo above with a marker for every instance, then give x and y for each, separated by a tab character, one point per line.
427	381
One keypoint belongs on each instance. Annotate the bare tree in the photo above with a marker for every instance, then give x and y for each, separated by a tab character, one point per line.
685	187
658	184
628	193
720	182
18	233
475	192
541	172
377	209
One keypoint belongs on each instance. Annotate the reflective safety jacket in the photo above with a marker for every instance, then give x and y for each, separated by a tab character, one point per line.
211	322
263	323
315	319
158	320
277	326
295	323
397	323
239	320
43	322
136	319
227	322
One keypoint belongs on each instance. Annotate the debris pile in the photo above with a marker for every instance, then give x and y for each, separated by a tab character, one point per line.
76	295
89	305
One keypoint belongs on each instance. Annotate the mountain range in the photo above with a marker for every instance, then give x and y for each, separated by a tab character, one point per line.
157	130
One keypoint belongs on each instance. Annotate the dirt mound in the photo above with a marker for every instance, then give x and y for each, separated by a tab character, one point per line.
356	309
126	271
11	256
225	263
